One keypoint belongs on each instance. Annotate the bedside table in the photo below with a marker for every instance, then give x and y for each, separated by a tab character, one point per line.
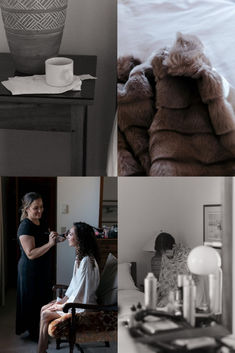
67	112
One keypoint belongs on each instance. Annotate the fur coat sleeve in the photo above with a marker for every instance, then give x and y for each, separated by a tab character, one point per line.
191	129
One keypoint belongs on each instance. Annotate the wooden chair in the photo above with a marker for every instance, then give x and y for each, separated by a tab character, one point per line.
98	323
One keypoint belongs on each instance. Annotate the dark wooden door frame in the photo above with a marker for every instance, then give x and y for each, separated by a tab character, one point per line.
101	200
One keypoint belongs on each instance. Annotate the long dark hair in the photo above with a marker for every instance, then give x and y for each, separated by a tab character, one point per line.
27	199
87	242
163	242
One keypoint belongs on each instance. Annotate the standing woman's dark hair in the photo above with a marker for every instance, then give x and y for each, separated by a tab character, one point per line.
163	242
87	242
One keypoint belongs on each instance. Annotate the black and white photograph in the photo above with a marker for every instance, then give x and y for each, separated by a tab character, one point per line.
175	292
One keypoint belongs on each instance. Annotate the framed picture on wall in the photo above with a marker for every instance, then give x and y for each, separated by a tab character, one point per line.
109	213
212	225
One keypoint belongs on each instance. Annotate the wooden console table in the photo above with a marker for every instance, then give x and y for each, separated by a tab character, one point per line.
67	112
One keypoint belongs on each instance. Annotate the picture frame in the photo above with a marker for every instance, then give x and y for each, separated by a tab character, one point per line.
109	213
212	225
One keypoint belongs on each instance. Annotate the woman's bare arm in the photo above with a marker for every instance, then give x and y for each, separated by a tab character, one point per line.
28	244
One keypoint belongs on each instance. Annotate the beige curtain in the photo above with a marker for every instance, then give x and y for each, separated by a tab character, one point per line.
112	151
2	267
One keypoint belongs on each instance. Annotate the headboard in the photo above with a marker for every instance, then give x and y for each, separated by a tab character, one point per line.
133	271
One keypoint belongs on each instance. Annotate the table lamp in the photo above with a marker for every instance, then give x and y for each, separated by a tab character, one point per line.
205	260
149	247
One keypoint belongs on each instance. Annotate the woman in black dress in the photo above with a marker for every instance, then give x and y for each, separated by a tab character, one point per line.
34	267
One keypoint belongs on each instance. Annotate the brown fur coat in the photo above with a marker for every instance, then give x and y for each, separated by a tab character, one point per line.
190	130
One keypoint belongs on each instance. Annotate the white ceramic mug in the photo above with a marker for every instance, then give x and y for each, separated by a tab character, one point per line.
59	71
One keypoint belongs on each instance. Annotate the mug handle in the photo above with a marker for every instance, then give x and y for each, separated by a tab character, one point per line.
68	76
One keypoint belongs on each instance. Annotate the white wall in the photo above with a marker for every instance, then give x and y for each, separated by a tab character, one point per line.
82	197
90	29
149	205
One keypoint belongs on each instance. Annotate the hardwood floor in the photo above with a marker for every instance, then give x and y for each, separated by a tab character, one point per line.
11	343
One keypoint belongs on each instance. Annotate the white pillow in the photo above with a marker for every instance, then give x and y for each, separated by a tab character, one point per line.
125	281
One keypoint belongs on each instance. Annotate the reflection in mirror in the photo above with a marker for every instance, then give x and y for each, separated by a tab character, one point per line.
108	202
108	218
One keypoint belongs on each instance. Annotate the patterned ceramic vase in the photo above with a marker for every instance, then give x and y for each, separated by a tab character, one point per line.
34	30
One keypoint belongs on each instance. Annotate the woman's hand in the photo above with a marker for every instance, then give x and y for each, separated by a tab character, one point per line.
28	244
60	239
57	307
52	238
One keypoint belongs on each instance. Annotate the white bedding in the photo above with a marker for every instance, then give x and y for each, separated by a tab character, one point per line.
145	26
126	298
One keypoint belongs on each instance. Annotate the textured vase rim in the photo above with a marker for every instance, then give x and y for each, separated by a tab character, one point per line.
34	30
34	22
32	11
25	6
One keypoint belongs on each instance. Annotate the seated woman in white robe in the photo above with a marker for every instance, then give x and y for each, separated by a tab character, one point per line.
84	282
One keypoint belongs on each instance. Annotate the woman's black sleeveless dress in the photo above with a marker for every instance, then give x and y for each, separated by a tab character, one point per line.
34	285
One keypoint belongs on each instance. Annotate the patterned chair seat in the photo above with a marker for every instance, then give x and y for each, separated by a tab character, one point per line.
90	326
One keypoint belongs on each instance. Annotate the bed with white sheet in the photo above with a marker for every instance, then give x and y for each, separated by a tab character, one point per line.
145	27
128	295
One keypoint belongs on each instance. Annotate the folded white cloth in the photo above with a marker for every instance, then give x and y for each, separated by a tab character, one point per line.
37	85
229	340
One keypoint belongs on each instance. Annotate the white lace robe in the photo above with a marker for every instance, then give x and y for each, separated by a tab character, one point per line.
84	283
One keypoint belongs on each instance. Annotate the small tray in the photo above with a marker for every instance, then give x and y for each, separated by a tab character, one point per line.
163	339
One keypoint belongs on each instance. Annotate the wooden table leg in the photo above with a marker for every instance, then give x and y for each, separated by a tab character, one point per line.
78	140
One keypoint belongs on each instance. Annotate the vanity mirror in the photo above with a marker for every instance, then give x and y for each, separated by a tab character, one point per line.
108	202
108	217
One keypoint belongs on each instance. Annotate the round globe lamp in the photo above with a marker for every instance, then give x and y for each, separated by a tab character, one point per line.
203	260
206	261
